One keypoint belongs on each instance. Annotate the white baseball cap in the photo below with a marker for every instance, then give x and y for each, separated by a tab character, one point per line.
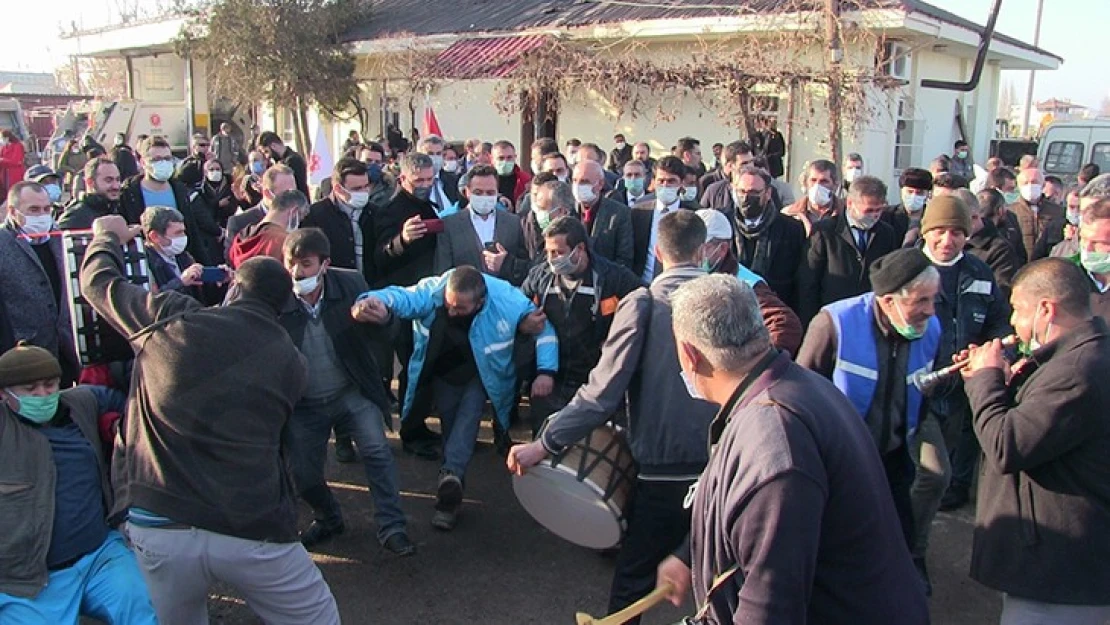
716	224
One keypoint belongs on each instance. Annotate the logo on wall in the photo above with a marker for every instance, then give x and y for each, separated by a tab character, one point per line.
155	120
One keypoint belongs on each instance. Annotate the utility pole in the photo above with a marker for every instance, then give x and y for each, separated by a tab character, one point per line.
1032	73
836	56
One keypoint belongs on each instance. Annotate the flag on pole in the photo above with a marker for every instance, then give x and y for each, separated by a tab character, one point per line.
320	162
431	124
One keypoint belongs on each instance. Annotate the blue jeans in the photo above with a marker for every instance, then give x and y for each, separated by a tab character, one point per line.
460	416
105	584
360	418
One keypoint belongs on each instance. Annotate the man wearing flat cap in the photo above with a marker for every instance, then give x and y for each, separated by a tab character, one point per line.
875	374
61	558
971	310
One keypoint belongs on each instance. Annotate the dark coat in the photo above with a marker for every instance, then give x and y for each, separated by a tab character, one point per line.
81	215
337	226
1100	302
1032	228
642	215
1044	491
239	485
27	297
713	177
989	246
1051	236
899	221
355	343
795	495
1011	232
215	194
202	228
611	232
296	162
618	157
165	276
398	263
833	267
458	245
775	254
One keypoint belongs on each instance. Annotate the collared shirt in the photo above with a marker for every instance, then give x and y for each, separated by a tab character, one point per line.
1102	288
354	214
439	196
649	266
484	227
632	200
313	309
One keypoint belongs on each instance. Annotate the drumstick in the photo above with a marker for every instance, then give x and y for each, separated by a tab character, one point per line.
634	610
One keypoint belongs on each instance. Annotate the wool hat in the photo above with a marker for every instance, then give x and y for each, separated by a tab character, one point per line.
26	363
897	269
716	224
946	211
916	178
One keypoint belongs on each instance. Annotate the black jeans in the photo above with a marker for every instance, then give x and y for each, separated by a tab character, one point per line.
657	525
900	473
543	407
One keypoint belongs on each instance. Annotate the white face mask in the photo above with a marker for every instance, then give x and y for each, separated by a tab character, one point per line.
483	204
1031	192
177	245
161	170
214	175
851	174
690	388
359	199
450	166
304	286
37	225
437	162
913	202
584	193
689	192
667	195
819	195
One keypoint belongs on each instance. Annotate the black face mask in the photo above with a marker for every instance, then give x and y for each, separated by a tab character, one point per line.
752	207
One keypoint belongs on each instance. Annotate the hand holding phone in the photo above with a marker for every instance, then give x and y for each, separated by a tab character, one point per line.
213	275
433	226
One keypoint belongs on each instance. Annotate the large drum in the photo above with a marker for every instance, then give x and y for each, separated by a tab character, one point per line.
97	342
581	494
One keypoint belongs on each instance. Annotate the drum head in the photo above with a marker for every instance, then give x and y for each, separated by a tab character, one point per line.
572	510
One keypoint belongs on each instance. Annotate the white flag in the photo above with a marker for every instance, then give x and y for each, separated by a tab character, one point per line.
320	162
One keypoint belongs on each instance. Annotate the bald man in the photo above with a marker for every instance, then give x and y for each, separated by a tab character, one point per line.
608	222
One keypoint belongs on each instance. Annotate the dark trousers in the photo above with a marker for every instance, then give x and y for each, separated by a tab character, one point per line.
657	525
412	428
900	474
965	453
544	407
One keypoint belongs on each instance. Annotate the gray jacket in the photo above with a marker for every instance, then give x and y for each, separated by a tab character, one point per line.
27	477
458	245
667	428
28	298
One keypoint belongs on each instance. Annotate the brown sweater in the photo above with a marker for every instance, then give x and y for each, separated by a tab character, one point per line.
211	392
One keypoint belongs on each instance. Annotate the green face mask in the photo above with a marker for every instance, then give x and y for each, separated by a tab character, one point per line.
1094	262
907	331
543	218
37	409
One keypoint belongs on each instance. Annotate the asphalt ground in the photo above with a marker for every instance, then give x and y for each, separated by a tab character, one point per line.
500	567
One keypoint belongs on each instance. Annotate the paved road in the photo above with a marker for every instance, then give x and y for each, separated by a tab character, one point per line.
498	567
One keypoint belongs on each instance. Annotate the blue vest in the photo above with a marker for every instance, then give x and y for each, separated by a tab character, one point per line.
857	364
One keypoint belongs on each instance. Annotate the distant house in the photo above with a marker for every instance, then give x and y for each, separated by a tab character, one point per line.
37	83
470	49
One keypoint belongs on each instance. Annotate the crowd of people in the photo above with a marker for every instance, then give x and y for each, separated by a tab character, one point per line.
762	350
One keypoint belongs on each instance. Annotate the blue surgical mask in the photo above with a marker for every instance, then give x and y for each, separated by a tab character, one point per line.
37	409
635	186
54	191
161	170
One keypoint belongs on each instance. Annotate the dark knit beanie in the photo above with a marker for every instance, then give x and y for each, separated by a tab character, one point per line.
27	363
897	269
946	211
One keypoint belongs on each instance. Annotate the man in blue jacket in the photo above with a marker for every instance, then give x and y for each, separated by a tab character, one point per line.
464	326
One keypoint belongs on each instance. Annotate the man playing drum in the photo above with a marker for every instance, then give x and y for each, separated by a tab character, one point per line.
792	520
667	425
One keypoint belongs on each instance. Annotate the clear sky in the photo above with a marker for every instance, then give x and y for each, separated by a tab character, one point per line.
1072	29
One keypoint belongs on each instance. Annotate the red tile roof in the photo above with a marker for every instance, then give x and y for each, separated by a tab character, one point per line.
488	57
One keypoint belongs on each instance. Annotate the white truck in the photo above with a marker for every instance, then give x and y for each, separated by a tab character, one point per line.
1065	147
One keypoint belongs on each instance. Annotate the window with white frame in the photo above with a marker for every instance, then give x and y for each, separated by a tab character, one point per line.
906	141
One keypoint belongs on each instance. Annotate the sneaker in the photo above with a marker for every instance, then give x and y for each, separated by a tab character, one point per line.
345	450
923	573
449	496
400	545
954	498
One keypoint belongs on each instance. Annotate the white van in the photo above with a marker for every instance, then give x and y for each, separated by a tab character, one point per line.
1067	146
